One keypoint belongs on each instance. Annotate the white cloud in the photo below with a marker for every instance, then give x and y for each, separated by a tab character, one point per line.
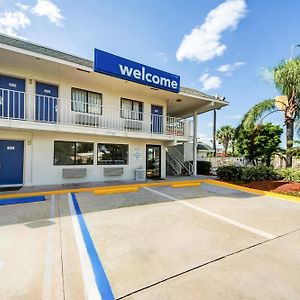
46	8
204	138
203	43
12	22
162	55
210	82
210	124
229	68
266	75
23	6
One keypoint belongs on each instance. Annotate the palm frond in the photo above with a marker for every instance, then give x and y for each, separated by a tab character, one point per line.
286	78
256	113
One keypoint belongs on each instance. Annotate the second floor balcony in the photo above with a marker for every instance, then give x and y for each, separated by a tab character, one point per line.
19	107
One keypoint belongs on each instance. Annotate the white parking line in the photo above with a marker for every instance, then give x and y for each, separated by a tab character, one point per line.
49	254
91	289
214	215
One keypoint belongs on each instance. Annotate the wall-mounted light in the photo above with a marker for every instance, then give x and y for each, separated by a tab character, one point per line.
219	98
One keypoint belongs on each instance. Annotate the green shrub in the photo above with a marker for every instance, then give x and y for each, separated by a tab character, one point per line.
203	167
229	173
290	174
247	173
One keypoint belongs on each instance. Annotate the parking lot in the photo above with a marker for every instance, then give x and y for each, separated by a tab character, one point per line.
203	242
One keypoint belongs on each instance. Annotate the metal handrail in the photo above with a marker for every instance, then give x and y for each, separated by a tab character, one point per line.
176	166
180	157
47	109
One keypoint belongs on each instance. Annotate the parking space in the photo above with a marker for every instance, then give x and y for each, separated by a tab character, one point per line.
266	213
30	251
158	243
268	271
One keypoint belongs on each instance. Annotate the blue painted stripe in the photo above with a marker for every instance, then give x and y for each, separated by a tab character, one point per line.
100	276
22	200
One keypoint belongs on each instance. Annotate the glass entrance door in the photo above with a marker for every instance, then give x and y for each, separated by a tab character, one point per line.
153	161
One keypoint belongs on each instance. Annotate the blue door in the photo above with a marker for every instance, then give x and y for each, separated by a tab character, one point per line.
12	97
11	162
46	102
157	119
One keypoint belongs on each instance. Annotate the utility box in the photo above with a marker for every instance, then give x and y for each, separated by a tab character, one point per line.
140	174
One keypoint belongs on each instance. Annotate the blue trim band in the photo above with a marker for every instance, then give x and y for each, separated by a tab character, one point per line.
22	200
100	276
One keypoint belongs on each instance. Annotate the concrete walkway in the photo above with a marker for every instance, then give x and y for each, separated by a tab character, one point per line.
204	242
57	187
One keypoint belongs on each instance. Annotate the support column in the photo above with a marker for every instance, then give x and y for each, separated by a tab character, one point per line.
195	143
214	132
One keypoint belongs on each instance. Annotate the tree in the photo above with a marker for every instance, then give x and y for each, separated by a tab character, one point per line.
260	143
225	136
286	78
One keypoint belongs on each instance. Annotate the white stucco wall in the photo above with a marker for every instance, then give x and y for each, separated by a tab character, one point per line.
65	77
188	152
39	156
39	145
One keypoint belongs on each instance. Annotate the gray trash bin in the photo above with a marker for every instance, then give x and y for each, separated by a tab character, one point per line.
140	174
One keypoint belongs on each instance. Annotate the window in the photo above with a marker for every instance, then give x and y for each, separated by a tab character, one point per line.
86	102
131	109
73	153
112	154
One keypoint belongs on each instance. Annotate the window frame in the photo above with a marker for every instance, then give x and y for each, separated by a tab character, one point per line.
105	164
141	112
86	104
75	153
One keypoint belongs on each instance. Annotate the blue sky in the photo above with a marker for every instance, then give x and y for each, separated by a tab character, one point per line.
217	46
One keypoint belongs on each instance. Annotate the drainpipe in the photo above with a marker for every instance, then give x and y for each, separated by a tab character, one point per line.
195	143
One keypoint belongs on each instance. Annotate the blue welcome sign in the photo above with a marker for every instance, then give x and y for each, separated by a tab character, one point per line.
120	67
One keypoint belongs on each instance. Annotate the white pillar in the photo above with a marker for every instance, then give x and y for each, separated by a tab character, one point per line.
195	143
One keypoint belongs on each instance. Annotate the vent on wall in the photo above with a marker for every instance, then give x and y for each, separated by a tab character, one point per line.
74	173
113	171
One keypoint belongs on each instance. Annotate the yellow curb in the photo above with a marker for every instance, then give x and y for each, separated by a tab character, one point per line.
92	189
183	185
131	189
253	191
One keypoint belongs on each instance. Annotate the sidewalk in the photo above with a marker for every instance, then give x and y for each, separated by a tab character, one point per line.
58	187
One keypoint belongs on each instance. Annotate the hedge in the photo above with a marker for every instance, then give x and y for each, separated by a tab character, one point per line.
247	173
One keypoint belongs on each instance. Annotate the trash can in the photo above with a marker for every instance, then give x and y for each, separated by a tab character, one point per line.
140	174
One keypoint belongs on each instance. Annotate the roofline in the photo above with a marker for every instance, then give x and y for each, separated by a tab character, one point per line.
43	46
208	98
86	64
46	57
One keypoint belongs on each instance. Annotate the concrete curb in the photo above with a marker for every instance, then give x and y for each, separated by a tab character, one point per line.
253	191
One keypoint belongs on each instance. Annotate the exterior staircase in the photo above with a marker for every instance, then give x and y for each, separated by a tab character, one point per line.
176	164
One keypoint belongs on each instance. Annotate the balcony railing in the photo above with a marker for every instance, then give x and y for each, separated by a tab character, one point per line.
15	105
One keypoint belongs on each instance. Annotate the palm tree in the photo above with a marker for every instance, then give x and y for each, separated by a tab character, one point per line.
225	136
286	78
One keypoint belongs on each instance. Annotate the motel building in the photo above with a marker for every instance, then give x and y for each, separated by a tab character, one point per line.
66	119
